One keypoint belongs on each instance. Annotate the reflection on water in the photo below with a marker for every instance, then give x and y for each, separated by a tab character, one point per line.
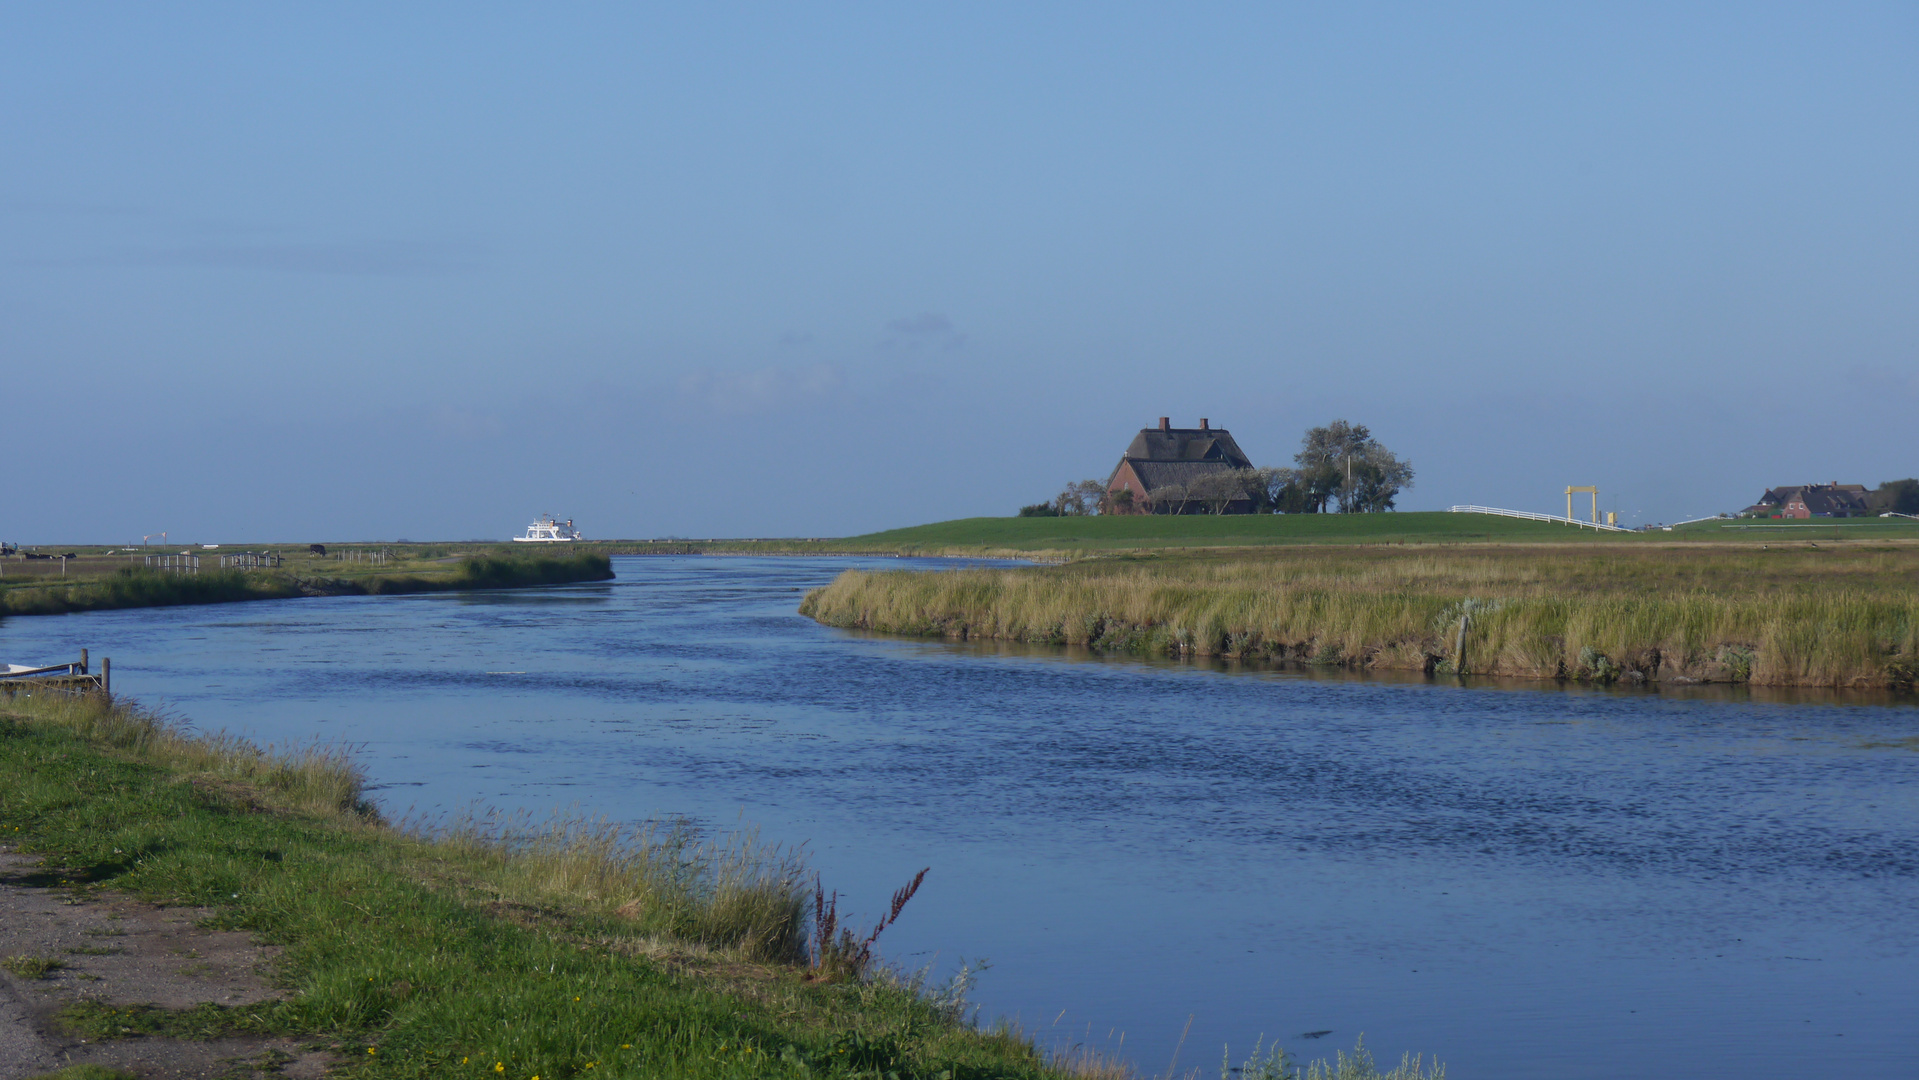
1526	880
1774	695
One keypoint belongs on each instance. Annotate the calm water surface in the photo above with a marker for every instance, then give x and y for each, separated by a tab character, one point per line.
1526	882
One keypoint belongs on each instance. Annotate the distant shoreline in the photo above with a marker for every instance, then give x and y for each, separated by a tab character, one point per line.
142	586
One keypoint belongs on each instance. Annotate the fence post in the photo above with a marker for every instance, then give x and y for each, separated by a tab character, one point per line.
106	674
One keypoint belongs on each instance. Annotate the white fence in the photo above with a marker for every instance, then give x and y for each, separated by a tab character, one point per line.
1554	518
175	564
248	560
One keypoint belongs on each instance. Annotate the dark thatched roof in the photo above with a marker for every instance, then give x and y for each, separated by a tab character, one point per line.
1187	444
1822	500
1159	474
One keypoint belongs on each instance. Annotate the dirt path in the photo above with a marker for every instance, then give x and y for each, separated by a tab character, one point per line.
119	952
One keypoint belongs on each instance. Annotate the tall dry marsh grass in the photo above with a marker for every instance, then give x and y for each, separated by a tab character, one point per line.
1808	616
668	880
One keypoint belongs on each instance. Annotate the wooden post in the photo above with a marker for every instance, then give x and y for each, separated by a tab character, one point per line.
83	661
106	674
1459	646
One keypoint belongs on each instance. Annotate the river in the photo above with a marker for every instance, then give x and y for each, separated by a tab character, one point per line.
1526	881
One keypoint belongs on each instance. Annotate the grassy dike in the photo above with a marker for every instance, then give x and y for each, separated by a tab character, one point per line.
1078	537
567	951
1800	614
138	586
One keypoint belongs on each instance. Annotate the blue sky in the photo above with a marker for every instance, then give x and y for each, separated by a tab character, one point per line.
271	272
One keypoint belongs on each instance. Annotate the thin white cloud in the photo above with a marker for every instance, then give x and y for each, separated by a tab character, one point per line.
767	390
927	330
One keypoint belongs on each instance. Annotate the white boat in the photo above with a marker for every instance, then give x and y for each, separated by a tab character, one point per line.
548	531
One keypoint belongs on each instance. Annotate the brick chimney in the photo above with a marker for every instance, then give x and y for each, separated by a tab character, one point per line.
1202	424
1165	423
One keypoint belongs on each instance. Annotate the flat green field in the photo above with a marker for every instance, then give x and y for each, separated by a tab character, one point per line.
1263	530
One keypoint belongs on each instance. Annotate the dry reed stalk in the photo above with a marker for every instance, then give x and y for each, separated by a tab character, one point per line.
839	951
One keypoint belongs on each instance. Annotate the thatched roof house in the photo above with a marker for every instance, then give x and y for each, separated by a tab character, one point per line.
1804	501
1168	470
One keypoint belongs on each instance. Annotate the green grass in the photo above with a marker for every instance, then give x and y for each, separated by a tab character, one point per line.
1771	530
1102	533
31	967
521	954
139	586
1072	537
1782	616
86	1072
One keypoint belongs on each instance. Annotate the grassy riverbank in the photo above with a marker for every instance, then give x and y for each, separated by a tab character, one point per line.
553	952
483	950
1778	615
129	586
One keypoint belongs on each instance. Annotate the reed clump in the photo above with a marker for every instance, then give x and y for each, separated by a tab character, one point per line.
667	880
1805	617
489	572
1273	1063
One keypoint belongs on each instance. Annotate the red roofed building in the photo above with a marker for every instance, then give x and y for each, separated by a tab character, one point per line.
1169	470
1808	501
